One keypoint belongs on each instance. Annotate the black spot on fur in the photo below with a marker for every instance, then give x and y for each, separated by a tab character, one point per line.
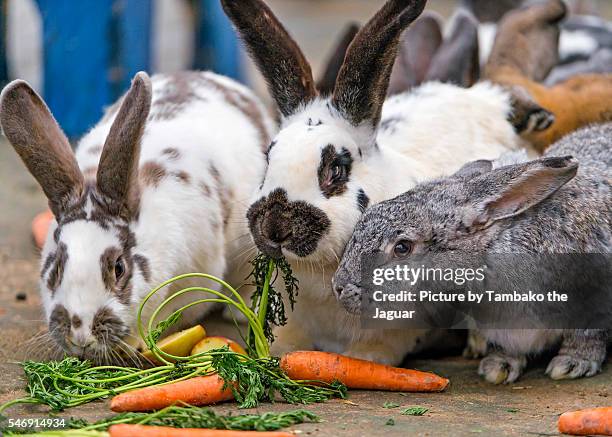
334	171
362	200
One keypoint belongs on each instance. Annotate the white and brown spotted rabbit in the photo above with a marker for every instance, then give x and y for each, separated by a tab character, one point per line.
157	188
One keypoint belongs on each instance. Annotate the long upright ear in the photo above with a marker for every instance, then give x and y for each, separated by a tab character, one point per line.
41	144
458	61
334	62
509	191
527	41
118	169
364	78
418	46
276	54
487	11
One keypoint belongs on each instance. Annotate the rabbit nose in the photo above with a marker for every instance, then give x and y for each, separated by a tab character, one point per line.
275	228
338	289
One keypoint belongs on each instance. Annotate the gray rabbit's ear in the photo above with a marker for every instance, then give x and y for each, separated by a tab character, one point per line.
510	191
276	54
418	46
457	60
473	169
118	169
363	80
336	59
41	144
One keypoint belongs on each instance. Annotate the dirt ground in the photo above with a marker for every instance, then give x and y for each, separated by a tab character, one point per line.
469	407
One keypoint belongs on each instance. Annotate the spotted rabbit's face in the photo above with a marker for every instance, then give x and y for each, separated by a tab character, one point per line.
89	278
310	198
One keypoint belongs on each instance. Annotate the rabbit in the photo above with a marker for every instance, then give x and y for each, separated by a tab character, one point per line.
599	63
151	193
551	205
524	53
418	46
424	56
337	154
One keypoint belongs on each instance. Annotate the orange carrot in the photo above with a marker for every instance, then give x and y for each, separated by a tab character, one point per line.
587	422
125	430
40	227
360	374
201	390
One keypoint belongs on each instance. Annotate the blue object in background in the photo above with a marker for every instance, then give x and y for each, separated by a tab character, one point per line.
93	48
76	53
216	43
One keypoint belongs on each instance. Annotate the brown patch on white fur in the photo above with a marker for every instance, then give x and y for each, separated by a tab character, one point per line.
171	153
143	264
247	106
176	94
151	173
57	270
59	324
224	194
107	328
183	176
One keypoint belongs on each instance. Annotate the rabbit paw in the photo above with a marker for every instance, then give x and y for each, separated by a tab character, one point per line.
572	367
539	120
498	368
476	346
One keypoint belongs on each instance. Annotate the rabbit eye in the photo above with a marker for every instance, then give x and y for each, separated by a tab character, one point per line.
119	268
338	171
402	248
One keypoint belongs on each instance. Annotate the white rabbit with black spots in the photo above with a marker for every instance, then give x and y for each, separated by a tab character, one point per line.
337	154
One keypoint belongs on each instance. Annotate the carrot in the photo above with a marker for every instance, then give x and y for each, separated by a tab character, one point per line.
360	374
40	227
587	422
125	430
201	390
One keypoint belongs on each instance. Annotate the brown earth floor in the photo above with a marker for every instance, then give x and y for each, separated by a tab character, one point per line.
469	407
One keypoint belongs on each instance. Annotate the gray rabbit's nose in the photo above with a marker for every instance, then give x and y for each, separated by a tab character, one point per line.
338	289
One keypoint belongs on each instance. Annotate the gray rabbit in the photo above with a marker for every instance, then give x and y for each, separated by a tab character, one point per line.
558	204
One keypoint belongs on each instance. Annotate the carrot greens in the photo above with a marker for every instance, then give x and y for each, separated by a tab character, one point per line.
253	378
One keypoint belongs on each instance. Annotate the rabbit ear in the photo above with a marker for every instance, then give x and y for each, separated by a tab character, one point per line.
364	77
490	11
473	169
527	42
514	189
41	144
278	57
457	61
334	63
118	169
418	46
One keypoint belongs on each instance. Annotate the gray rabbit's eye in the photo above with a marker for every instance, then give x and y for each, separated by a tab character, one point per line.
402	248
119	268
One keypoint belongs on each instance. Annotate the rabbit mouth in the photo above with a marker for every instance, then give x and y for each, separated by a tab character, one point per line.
282	227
